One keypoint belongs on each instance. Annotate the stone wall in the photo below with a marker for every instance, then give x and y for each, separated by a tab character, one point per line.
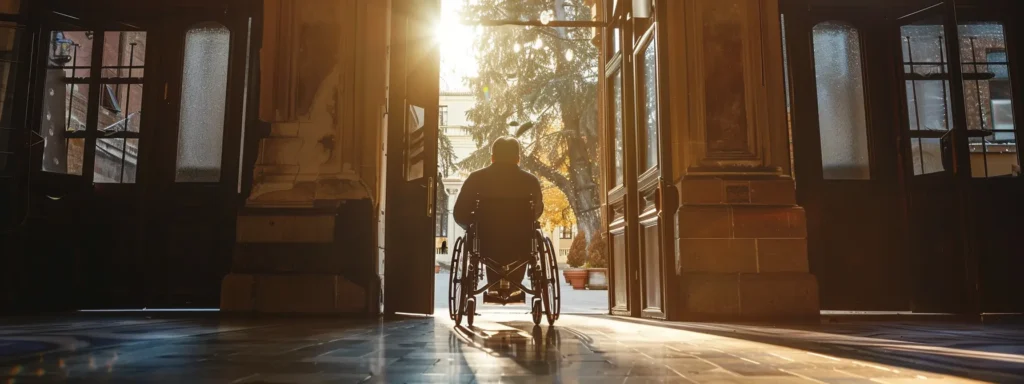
306	239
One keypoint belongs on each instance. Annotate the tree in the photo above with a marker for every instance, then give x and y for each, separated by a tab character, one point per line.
446	156
541	81
556	209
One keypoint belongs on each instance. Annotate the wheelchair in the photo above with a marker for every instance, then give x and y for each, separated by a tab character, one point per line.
504	240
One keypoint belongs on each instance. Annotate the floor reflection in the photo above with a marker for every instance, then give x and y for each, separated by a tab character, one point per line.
500	348
530	346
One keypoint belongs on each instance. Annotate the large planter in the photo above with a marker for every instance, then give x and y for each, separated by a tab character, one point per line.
597	278
576	277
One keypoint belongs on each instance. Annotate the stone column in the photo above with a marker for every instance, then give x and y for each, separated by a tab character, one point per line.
306	237
741	238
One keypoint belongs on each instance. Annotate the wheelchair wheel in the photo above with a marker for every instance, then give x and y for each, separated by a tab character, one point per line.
470	311
536	312
552	290
456	301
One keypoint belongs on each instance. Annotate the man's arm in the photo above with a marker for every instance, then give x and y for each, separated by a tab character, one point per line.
464	204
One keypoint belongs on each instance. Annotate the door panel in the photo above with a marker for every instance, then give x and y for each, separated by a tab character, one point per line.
620	283
412	158
196	157
935	158
847	168
148	238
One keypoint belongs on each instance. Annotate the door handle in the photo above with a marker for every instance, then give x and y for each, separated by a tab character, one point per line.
430	196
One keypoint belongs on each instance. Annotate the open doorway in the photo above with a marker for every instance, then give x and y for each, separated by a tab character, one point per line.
537	83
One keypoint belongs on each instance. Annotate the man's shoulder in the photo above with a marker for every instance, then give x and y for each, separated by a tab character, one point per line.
529	175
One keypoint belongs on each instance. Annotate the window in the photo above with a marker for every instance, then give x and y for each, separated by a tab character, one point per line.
442	115
927	92
988	100
842	121
565	233
203	103
648	108
111	138
617	110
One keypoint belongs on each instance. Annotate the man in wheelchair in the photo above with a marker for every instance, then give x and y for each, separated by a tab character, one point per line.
500	205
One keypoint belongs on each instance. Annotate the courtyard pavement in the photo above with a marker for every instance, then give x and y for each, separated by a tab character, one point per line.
573	301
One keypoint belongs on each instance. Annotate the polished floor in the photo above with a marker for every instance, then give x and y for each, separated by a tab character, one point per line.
499	348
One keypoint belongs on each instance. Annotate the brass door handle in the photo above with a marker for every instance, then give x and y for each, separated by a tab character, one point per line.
430	196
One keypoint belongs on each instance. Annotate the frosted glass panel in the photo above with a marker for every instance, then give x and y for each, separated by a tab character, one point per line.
841	114
203	100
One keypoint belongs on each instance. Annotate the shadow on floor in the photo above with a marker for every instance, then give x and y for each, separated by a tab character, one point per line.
974	351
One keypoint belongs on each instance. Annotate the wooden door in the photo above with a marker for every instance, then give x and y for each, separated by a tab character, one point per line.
150	228
619	167
193	197
654	192
847	169
994	196
935	157
411	158
94	139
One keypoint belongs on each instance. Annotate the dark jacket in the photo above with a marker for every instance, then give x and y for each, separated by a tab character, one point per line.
497	180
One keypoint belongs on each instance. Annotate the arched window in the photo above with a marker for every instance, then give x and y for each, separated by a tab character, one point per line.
842	120
203	103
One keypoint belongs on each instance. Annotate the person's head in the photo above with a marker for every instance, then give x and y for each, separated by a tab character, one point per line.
505	150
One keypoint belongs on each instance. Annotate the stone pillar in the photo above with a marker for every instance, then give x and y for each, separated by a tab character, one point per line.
306	237
741	238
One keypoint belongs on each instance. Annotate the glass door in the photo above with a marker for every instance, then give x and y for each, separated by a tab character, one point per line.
201	98
93	135
936	158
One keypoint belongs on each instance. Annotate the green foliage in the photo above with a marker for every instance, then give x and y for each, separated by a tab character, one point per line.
577	252
540	83
446	156
597	252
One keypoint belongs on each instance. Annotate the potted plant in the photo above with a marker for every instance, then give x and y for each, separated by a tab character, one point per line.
576	276
597	263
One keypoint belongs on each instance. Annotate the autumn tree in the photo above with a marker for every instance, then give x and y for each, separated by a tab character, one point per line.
540	84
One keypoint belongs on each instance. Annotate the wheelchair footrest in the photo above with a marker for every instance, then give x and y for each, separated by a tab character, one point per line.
503	298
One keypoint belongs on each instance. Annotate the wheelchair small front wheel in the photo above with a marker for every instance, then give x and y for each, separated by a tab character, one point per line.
537	311
470	311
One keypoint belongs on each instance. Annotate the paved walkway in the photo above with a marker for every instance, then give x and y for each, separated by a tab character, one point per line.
501	348
573	301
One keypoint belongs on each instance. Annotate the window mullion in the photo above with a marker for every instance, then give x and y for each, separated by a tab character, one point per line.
92	111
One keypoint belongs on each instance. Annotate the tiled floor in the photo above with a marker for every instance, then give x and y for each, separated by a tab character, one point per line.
501	348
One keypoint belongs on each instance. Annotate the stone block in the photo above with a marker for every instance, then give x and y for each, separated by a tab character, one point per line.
280	150
308	293
289	129
718	255
782	255
704	222
769	222
701	191
711	294
285	228
236	293
778	295
348	297
295	293
773	192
